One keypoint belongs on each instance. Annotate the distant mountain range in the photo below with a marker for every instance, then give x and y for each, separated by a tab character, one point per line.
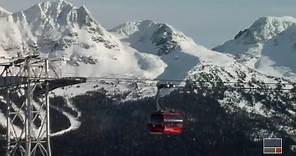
140	49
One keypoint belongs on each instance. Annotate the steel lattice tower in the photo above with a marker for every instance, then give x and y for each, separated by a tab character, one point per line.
28	121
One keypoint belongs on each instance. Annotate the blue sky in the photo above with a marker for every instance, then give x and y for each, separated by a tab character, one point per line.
209	22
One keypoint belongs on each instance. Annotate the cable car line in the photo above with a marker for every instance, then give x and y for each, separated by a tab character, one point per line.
198	85
177	80
168	81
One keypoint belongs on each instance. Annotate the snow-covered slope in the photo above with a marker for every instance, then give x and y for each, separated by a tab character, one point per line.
268	45
157	38
178	51
4	12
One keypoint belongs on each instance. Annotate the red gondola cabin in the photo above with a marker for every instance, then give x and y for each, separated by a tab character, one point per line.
166	123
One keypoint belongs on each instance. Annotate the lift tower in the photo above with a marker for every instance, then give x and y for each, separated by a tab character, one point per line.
28	121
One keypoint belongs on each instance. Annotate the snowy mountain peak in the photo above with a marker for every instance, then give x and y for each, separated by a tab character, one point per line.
84	9
4	12
147	26
51	7
268	46
59	12
59	5
146	33
265	28
129	28
55	26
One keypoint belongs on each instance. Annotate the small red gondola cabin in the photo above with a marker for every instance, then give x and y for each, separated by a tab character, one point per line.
166	123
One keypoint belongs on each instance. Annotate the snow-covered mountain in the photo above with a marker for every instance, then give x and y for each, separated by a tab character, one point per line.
149	36
177	50
58	29
267	45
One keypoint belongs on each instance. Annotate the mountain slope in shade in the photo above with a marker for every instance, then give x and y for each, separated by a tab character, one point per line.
268	45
